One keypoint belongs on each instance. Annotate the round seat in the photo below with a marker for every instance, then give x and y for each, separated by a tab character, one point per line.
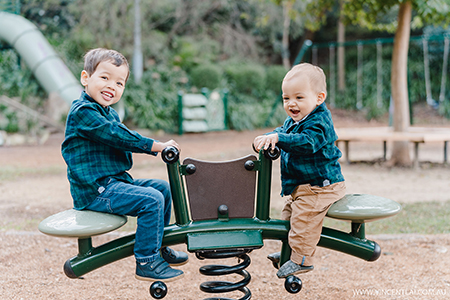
361	208
81	223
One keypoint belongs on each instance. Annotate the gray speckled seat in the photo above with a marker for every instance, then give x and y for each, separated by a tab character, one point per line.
362	208
81	224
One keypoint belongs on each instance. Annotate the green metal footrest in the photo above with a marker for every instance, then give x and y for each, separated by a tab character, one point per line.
224	240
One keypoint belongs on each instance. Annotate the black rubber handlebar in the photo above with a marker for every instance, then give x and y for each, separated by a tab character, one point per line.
170	155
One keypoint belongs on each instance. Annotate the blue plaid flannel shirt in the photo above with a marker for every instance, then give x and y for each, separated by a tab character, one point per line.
96	148
308	151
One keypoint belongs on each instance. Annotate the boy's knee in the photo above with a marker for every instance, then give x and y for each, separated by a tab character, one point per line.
162	186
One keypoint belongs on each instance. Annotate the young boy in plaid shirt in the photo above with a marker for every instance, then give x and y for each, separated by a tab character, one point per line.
98	152
310	172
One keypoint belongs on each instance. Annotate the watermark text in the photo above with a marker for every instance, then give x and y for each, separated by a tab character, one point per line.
399	292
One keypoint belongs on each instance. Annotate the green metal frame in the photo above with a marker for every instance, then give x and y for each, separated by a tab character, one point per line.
209	234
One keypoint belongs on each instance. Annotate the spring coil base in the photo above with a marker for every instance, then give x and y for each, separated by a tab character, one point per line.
219	270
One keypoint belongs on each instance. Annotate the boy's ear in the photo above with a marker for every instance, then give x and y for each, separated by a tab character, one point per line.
321	98
84	78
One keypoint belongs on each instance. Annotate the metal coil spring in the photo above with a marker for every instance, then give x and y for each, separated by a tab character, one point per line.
219	270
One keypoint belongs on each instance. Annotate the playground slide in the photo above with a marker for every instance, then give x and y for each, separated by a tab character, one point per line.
33	48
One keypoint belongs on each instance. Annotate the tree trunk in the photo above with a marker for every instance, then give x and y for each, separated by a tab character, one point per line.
341	55
399	83
287	5
138	60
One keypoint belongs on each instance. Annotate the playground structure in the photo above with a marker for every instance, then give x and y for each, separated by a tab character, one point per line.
203	112
38	54
219	214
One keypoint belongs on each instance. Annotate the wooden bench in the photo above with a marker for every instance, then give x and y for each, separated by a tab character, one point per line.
415	135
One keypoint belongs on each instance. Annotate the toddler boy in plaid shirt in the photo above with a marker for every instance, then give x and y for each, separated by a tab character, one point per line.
98	152
310	172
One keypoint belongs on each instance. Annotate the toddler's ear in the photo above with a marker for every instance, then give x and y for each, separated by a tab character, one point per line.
321	98
84	78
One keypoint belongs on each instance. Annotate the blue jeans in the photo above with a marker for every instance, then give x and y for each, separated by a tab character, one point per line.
147	199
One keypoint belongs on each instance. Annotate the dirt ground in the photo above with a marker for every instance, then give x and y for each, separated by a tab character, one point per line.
33	185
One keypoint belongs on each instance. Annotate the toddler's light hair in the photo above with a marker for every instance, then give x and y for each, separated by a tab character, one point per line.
317	78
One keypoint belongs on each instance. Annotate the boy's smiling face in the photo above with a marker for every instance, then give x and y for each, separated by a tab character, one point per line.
106	84
299	98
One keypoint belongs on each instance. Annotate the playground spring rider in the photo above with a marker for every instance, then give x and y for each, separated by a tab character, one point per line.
220	220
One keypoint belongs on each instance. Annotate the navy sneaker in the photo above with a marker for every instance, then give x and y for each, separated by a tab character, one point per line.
159	270
291	268
174	258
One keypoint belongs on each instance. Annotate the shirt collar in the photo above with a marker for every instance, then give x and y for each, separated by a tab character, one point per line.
89	98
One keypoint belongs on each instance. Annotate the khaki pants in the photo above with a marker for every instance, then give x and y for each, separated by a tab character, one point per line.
306	208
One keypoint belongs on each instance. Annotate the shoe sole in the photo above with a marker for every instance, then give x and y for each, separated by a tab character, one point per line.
296	273
159	279
179	264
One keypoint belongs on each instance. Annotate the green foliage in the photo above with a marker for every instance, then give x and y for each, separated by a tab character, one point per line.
11	6
153	103
179	38
16	81
208	76
249	113
246	78
274	77
382	14
189	53
51	16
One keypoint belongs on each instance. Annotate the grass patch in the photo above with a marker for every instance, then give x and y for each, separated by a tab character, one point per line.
421	218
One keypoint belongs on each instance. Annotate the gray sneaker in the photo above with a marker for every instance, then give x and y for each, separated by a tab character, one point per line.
291	268
274	257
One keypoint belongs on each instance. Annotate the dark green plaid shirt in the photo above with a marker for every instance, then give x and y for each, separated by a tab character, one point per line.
308	151
96	148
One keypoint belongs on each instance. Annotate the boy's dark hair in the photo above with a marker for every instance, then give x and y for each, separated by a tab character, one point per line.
95	56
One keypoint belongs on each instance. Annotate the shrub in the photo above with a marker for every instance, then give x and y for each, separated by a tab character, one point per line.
249	113
247	78
208	76
153	103
274	77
